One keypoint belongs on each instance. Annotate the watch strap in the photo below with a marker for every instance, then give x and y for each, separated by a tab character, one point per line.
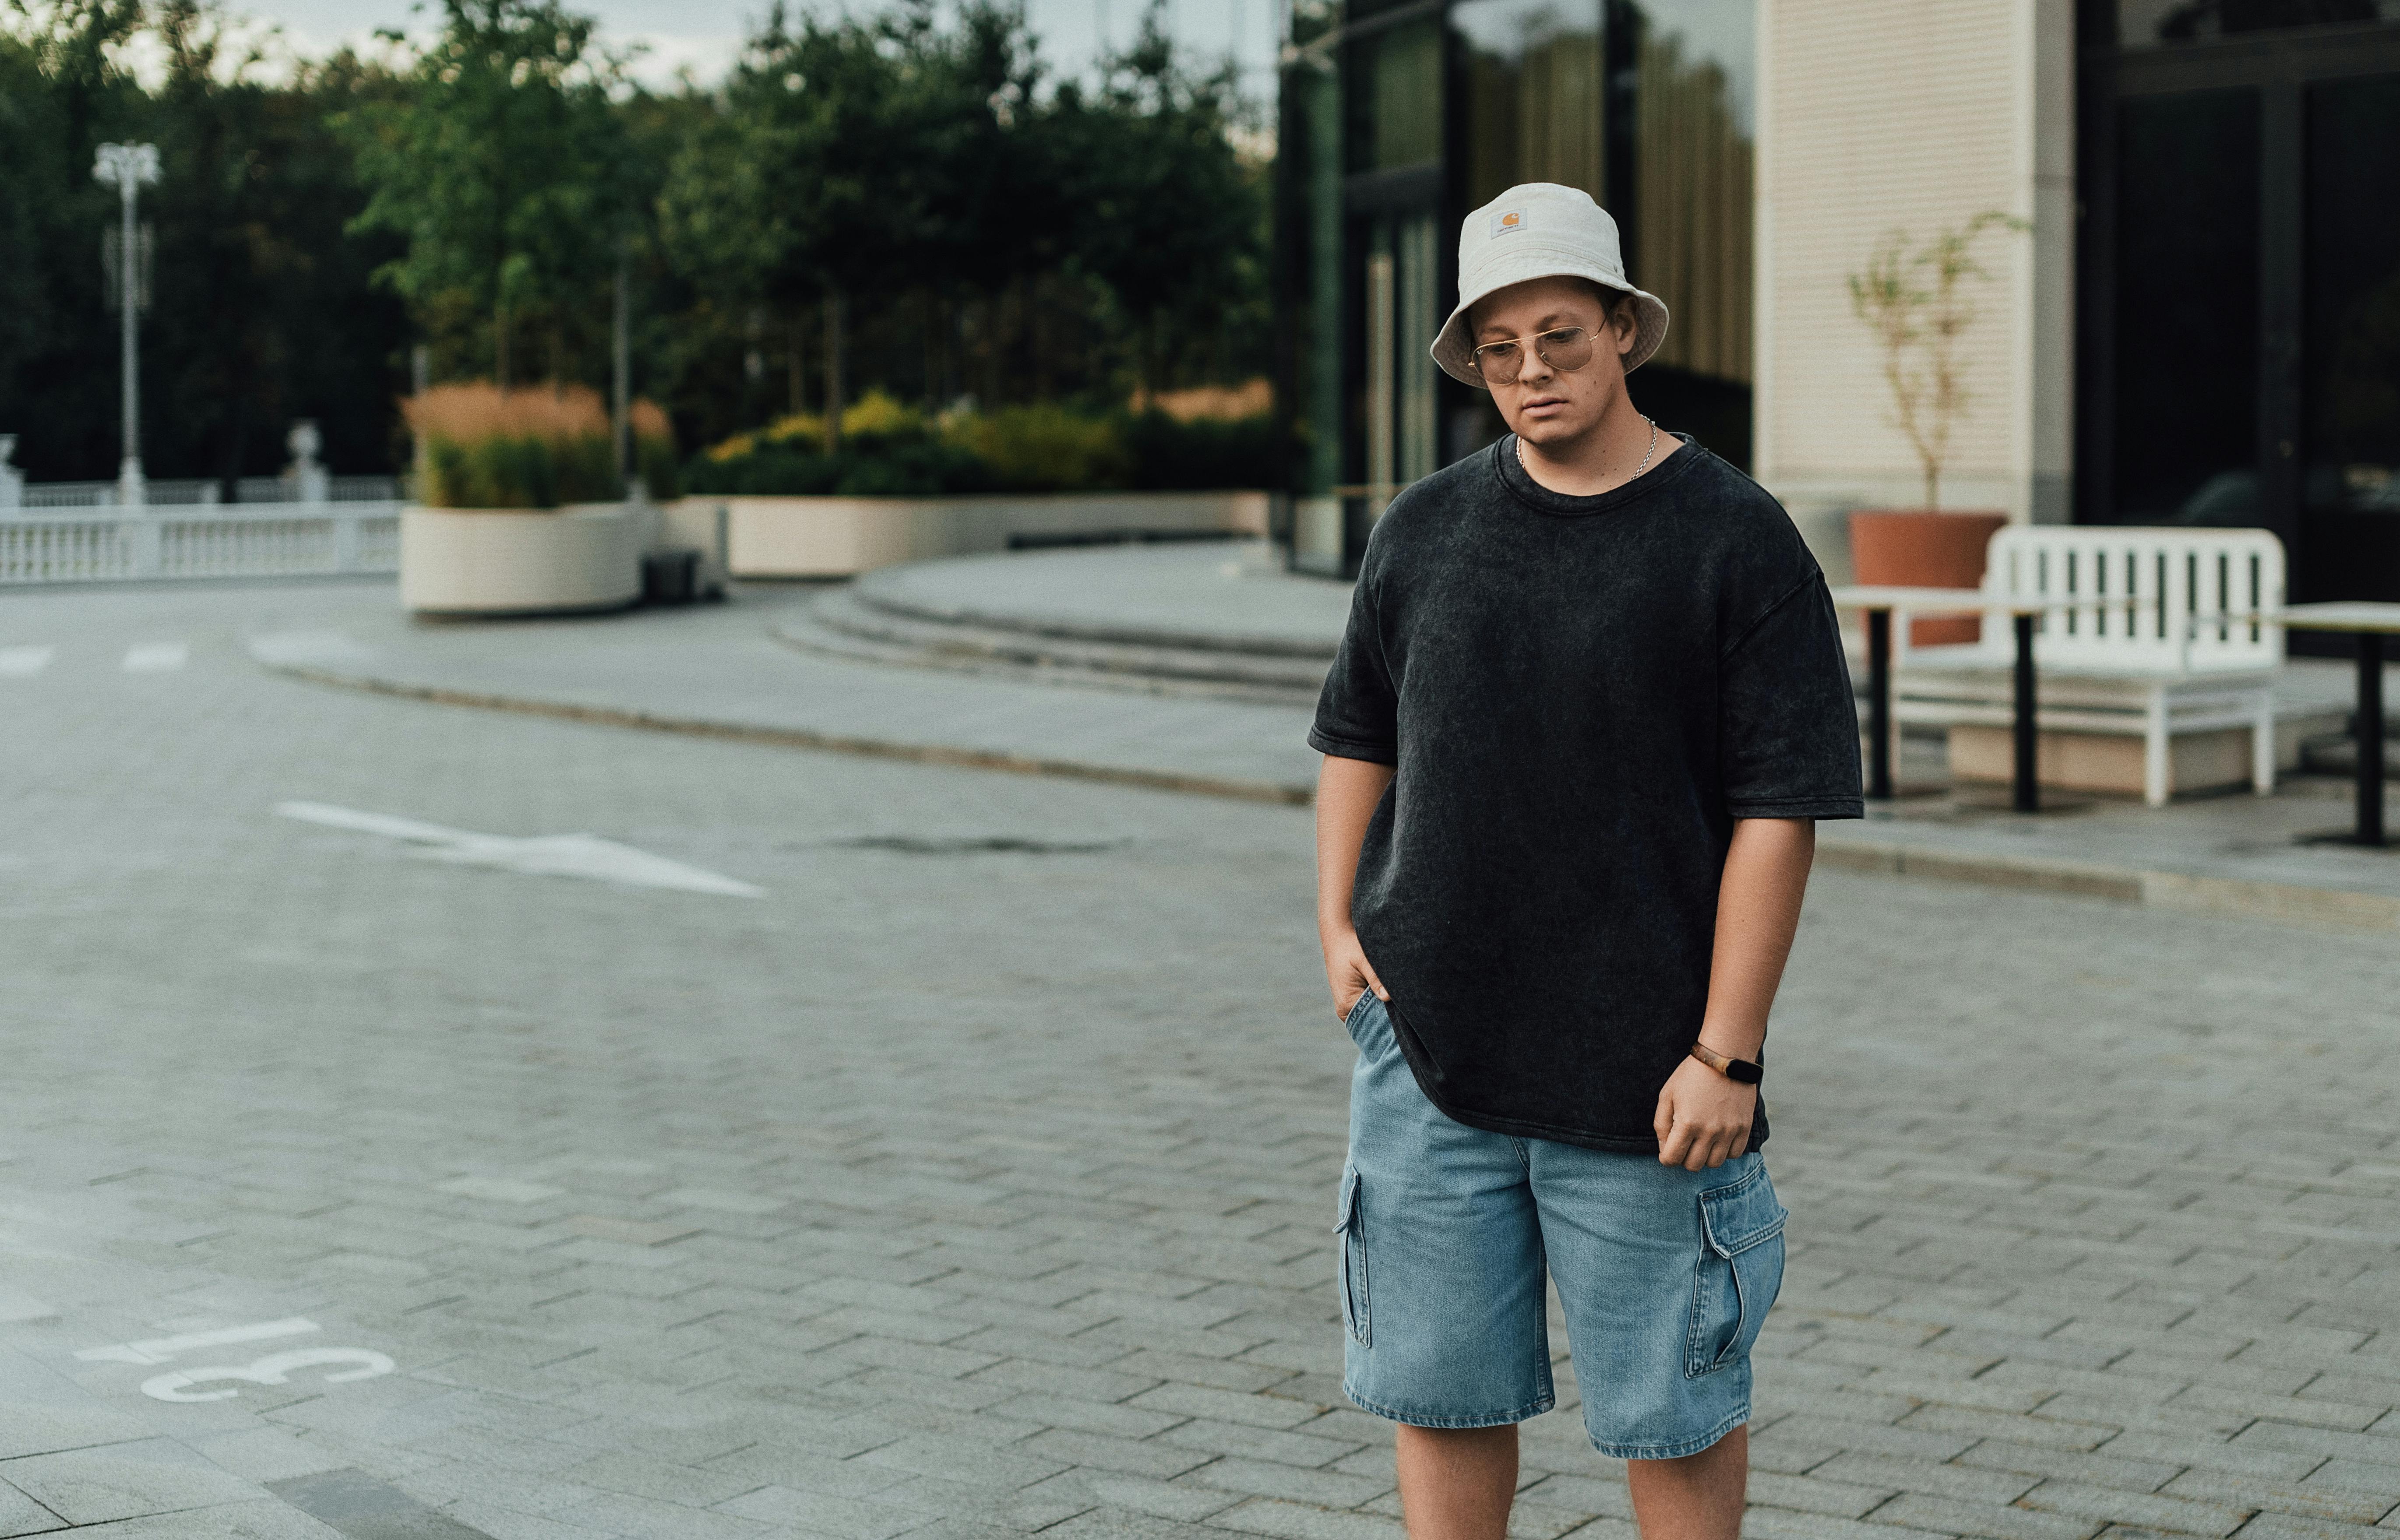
1742	1071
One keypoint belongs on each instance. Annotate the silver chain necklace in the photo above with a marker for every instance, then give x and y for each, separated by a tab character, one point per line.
1637	469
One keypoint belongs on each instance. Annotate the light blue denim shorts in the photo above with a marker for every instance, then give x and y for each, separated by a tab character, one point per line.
1446	1233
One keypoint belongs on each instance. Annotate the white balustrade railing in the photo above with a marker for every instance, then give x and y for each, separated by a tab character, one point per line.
338	490
42	543
70	495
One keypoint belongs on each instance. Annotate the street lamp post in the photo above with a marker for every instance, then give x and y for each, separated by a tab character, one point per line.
128	168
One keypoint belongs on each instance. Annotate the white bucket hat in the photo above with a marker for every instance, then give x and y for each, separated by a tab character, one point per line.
1540	229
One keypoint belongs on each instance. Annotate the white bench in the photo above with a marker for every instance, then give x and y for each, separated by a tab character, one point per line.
2155	633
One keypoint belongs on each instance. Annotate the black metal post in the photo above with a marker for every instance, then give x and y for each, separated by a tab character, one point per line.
1879	704
2027	788
2369	730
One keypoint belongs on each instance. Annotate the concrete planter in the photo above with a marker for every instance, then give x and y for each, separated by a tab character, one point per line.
492	560
839	536
2111	765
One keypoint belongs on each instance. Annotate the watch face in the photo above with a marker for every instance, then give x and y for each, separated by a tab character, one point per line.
1744	1071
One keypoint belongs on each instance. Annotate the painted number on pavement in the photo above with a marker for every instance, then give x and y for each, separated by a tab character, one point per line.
275	1368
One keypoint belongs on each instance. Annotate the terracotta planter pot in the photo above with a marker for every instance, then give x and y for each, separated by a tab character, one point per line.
1915	549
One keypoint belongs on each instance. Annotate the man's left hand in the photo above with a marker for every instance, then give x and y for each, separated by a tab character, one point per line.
1703	1118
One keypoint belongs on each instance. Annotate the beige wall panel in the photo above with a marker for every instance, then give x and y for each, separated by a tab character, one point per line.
1882	115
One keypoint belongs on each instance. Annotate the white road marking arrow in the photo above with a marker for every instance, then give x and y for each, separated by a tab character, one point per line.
583	855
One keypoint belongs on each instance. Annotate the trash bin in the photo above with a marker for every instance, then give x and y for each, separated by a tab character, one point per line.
671	576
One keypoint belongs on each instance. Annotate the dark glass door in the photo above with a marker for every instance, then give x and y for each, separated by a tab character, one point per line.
2350	357
2186	311
2239	303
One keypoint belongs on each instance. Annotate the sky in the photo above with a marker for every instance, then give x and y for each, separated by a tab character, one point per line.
704	34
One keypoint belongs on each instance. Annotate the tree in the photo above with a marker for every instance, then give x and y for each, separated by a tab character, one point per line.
856	162
1915	303
804	188
1167	215
262	312
503	167
62	94
272	317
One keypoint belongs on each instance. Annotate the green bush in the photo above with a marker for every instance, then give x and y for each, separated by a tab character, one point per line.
1045	449
1207	454
655	463
923	468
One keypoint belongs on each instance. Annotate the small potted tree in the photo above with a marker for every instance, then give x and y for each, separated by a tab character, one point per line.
519	508
1916	301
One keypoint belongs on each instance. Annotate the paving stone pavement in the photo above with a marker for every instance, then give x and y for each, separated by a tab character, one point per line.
975	1181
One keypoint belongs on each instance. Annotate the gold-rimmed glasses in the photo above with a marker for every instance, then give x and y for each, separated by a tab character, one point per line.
1566	349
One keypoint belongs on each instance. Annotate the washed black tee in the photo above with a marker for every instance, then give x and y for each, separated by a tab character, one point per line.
1581	696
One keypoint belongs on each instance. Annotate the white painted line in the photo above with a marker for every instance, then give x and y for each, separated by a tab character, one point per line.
582	855
300	649
155	656
158	1350
23	662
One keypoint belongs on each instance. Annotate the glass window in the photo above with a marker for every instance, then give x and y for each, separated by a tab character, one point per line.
2186	301
1654	119
1532	71
1418	248
1396	97
2149	24
1694	170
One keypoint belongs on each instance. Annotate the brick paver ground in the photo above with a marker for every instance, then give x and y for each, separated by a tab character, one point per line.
975	1181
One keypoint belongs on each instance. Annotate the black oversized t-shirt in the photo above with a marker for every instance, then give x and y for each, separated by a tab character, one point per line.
1581	695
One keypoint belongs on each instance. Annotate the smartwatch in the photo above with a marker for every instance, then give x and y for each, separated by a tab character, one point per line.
1746	1071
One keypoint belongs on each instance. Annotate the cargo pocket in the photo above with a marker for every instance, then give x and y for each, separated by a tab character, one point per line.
1351	1227
1741	1267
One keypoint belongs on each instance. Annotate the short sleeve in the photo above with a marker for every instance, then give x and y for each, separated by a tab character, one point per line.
1787	727
1357	713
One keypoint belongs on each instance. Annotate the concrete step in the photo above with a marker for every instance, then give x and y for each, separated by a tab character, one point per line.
909	591
850	623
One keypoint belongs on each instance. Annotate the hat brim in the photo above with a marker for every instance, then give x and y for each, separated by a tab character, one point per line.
1454	347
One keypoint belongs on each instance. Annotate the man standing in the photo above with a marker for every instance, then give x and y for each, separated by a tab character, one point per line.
1590	701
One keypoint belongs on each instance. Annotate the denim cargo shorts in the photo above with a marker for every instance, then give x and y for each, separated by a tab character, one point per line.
1446	1232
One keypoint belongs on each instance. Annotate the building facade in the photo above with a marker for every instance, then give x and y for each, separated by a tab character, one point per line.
1398	117
2191	315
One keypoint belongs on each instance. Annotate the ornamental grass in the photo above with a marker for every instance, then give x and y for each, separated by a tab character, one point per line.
481	446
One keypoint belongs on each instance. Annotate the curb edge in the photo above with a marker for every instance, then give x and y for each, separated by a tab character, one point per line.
2178	893
1280	793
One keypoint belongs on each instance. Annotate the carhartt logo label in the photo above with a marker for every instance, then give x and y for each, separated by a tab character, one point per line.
1514	219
